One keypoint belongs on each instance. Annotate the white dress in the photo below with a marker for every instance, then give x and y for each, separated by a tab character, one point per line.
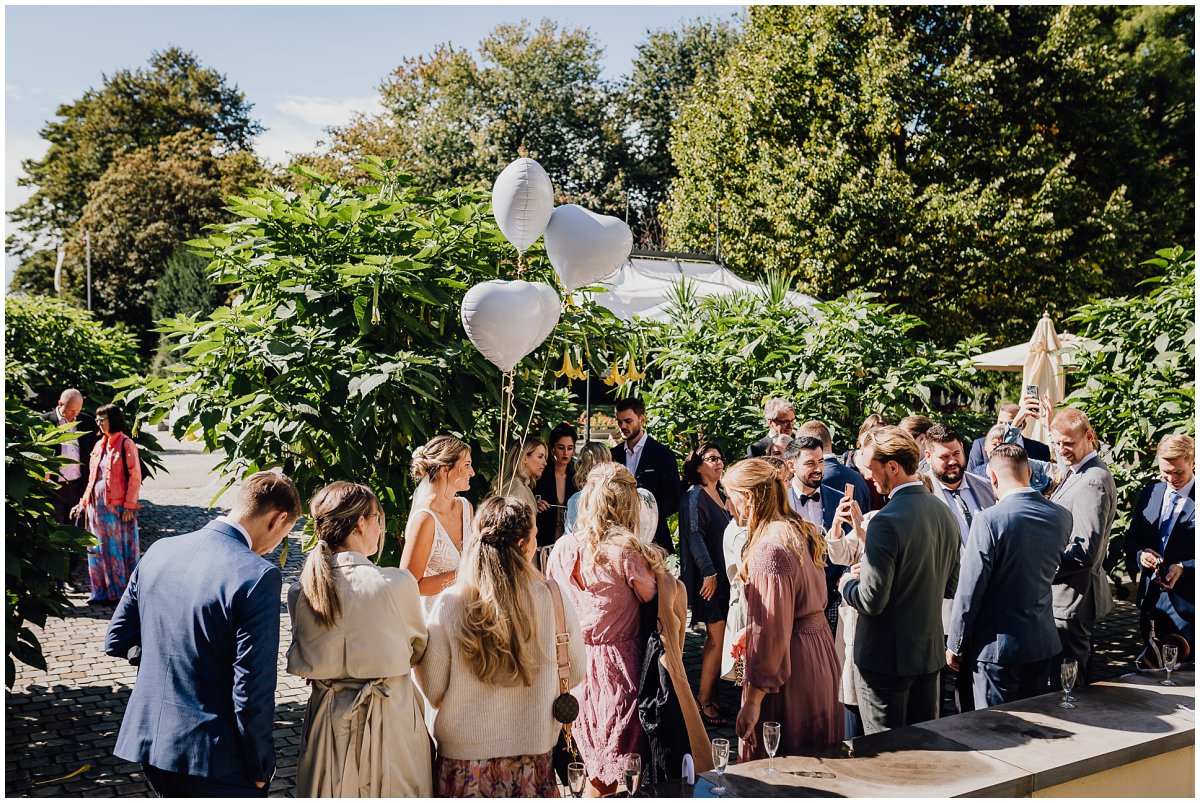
443	555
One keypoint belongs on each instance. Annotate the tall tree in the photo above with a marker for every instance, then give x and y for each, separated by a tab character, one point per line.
670	65
132	109
454	120
974	165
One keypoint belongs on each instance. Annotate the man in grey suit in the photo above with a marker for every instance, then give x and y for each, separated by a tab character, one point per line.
966	495
910	565
1002	622
1087	491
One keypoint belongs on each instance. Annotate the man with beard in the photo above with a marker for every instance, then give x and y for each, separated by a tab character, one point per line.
816	502
651	463
966	495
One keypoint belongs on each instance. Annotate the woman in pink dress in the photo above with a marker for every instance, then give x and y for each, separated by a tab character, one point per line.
607	572
791	670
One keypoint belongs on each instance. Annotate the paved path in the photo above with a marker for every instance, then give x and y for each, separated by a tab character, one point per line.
67	717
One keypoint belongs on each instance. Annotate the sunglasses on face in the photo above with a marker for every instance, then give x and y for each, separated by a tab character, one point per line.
714	459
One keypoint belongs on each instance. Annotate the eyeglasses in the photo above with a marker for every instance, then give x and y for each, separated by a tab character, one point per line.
714	459
783	422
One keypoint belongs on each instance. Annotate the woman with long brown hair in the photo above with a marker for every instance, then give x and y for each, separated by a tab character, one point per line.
357	631
791	669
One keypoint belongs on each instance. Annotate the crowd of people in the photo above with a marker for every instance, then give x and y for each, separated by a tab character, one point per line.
538	630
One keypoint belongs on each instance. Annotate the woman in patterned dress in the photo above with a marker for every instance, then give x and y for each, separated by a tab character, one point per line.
111	501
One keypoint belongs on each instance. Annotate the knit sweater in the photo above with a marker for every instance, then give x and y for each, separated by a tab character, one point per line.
479	721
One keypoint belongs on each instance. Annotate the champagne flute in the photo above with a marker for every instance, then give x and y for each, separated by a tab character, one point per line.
632	764
1170	663
1070	671
720	752
771	733
576	778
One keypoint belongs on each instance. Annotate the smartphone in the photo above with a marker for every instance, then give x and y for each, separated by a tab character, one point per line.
1032	390
848	491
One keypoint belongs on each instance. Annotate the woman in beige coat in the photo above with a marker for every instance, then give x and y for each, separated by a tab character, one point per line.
357	631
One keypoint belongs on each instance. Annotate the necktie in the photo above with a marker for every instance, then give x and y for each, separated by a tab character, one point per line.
1164	525
815	496
962	507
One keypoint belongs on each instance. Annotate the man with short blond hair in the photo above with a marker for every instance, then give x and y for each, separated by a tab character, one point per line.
780	417
1088	492
1161	543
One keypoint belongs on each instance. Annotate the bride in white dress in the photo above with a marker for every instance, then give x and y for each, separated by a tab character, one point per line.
439	523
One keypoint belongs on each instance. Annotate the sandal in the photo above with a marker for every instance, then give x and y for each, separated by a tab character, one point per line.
711	721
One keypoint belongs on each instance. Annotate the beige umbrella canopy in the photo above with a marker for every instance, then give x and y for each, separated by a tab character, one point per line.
1044	368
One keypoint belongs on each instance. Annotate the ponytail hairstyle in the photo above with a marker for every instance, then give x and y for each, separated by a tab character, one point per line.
498	629
335	510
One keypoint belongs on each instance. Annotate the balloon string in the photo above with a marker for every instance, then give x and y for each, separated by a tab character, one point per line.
536	396
505	405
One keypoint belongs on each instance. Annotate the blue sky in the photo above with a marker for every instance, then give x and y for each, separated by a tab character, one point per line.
303	67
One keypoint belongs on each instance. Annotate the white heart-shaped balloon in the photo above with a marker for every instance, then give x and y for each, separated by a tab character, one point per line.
585	247
551	310
522	200
507	320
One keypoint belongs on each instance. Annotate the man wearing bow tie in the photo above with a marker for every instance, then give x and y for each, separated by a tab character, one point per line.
817	503
1081	592
1162	542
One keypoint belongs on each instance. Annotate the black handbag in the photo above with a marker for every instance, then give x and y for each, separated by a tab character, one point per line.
661	717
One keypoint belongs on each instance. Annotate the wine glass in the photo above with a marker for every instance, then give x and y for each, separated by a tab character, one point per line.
1170	663
1070	671
576	778
632	764
771	733
720	750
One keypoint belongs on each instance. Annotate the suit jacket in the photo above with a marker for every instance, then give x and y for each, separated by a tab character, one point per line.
204	610
838	475
831	497
1181	548
760	448
1003	610
658	473
1080	589
981	489
909	566
85	425
1036	450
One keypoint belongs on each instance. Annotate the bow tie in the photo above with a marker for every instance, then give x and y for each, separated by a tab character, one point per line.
815	496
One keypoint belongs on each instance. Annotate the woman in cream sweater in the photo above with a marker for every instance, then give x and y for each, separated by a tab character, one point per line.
490	666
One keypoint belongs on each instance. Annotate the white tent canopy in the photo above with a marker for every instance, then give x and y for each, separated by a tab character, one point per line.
1013	358
644	286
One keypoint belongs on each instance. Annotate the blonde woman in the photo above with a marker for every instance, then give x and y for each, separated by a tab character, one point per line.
523	467
590	456
491	666
608	572
791	670
439	522
357	631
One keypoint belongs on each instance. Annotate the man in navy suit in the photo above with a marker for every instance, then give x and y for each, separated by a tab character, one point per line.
1002	621
201	618
652	464
817	502
1162	543
836	474
1010	416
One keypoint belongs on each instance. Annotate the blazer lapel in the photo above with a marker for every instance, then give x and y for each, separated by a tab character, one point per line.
1153	511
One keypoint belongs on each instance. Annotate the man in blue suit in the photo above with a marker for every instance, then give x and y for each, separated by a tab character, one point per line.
1002	621
1011	417
836	474
200	616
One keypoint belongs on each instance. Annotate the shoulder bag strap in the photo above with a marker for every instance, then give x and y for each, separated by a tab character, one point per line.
561	639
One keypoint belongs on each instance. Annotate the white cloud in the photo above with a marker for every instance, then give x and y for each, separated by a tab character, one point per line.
325	112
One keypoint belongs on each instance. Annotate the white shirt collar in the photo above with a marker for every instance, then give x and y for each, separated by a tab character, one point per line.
905	485
798	489
1012	491
829	456
239	528
1076	466
1184	491
638	444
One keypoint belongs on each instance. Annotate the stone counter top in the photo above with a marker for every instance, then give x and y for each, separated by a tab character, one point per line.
1013	750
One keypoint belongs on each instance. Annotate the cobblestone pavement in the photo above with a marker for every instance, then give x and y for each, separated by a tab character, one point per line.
66	719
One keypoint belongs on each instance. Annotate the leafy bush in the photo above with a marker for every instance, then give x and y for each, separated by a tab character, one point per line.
1138	384
342	349
719	358
36	548
184	289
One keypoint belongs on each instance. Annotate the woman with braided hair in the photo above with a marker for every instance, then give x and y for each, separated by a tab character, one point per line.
357	631
491	669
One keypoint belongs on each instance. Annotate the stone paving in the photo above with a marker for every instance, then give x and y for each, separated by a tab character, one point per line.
62	723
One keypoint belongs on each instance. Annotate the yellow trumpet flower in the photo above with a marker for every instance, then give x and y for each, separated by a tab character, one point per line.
634	373
614	377
579	372
567	370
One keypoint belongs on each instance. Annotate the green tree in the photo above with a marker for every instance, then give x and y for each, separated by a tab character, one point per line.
184	288
967	163
343	349
143	208
453	120
670	65
132	109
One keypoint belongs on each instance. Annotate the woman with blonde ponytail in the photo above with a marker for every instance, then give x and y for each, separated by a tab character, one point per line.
357	632
491	668
791	672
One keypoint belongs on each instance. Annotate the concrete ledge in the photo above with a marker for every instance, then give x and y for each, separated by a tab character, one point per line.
1131	729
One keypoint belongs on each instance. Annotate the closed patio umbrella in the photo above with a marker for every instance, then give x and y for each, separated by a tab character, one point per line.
1044	368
